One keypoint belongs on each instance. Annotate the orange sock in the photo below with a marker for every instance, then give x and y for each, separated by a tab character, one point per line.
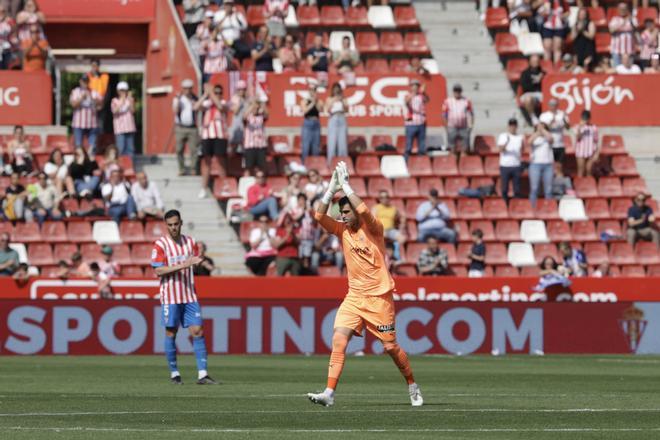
337	359
400	358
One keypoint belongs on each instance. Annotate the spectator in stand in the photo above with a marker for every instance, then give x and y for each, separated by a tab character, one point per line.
604	65
654	67
214	131
319	57
561	183
56	169
521	16
260	198
623	28
148	202
21	275
477	255
275	11
304	218
79	268
44	200
261	252
238	105
117	195
551	274
433	260
215	55
13	7
641	222
583	35
510	144
554	28
326	249
207	266
7	37
648	43
255	144
9	259
286	242
194	11
575	261
110	161
123	122
107	265
263	51
315	186
458	115
530	82
393	221
289	194
35	51
19	152
541	163
28	16
185	129
586	145
417	67
289	54
86	103
13	205
432	216
346	59
627	67
232	23
556	121
102	280
569	65
311	128
202	33
83	175
415	117
98	82
337	107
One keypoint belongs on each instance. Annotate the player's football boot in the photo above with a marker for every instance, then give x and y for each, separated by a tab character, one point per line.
176	380
321	398
206	380
415	395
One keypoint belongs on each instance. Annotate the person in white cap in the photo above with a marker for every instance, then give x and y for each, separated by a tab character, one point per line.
185	128
123	122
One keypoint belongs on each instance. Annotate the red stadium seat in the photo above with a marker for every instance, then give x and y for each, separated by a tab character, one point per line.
419	166
520	209
415	44
153	230
646	253
454	184
40	254
26	233
633	271
367	166
64	251
492	166
244	231
603	40
132	271
399	65
91	252
462	252
619	208
332	16
597	15
530	271
377	184
451	206
225	188
514	68
624	166
643	14
463	230
309	42
60	141
426	184
653	271
546	209
609	187
633	186
141	253
486	226
6	227
121	253
585	187
377	65
54	231
451	252
476	182
255	15
469	209
597	209
308	16
558	230
278	183
495	209
542	250
506	271
485	145
406	187
358	185
507	230
392	42
611	226
380	139
470	166
612	144
319	163
596	253
126	164
622	253
413	251
405	17
584	231
496	253
367	43
497	19
357	17
445	166
506	44
346	159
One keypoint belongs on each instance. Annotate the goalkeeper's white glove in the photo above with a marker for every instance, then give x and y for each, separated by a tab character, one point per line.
333	187
342	174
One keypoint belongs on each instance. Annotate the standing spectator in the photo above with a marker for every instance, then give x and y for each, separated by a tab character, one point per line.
214	131
28	16
275	11
289	54
415	117
12	7
347	58
215	55
649	43
510	144
202	33
319	57
554	28
13	205
458	116
19	152
311	129
586	145
207	266
583	35
561	183
86	103
432	216
99	82
654	67
540	167
556	121
238	105
261	252
337	107
7	37
83	175
56	169
326	249
622	27
393	221
575	261
185	130
123	122
477	255
118	200
263	51
44	200
530	82
627	67
260	199
569	65
641	222
9	259
194	11
433	260
35	51
107	265
255	145
286	242
148	202
232	23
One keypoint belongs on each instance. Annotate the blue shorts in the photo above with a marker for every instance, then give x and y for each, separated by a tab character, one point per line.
184	315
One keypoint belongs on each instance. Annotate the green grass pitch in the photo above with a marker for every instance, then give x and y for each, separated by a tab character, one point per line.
263	397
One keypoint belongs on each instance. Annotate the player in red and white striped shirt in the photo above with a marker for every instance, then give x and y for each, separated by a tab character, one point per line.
415	117
554	29
458	115
173	258
214	130
586	145
622	27
254	137
85	102
123	121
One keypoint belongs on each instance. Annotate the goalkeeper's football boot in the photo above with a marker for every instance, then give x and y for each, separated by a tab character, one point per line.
415	395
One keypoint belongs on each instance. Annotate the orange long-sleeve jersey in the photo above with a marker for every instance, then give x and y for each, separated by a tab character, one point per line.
364	252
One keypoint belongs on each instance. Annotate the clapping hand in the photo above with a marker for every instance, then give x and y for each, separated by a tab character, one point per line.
334	183
342	173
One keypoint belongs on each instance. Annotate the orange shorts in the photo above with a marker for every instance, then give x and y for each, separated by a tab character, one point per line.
376	311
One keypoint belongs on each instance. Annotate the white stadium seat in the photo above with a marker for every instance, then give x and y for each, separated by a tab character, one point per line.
291	19
334	44
533	231
381	17
521	254
106	232
21	250
394	167
530	43
571	210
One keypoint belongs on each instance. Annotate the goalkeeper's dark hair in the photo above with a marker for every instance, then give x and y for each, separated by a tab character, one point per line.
344	201
172	213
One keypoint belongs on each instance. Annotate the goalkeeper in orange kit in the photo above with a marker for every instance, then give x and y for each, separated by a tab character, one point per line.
369	300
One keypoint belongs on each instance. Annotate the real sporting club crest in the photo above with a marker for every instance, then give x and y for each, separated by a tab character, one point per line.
633	325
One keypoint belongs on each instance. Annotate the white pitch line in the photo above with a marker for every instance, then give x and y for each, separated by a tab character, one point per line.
305	431
629	361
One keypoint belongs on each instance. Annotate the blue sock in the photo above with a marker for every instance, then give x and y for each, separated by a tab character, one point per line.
199	345
170	353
